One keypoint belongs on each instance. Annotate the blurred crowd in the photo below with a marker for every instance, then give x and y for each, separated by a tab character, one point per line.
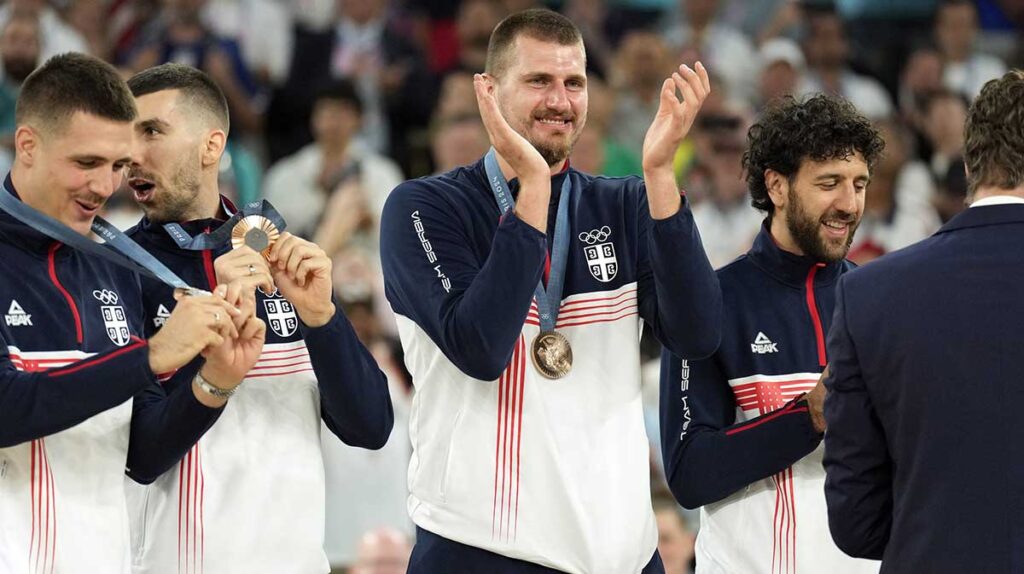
334	102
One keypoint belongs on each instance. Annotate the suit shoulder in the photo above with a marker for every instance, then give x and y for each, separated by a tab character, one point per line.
894	264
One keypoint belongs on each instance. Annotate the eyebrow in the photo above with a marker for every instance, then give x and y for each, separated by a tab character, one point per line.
547	76
99	159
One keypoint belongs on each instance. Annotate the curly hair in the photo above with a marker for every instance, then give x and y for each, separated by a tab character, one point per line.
994	135
821	128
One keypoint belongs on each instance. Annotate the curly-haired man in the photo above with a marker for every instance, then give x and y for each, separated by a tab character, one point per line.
741	430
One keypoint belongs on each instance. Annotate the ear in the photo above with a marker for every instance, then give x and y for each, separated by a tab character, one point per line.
26	145
778	187
216	141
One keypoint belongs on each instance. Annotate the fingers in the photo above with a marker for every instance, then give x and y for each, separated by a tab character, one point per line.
244	262
293	252
705	79
254	328
483	85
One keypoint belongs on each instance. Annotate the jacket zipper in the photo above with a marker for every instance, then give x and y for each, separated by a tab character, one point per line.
52	266
812	306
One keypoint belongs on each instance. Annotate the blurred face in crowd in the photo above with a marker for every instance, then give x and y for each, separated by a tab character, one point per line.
476	20
73	168
459	142
642	60
700	13
543	95
19	48
675	542
170	142
335	122
826	42
955	29
779	78
821	205
944	123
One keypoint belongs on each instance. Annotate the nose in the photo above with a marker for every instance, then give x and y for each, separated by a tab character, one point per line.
848	198
558	98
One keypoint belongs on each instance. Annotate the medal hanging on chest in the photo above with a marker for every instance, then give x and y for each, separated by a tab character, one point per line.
550	352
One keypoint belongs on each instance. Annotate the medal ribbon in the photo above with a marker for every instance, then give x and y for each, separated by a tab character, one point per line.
222	235
118	248
549	300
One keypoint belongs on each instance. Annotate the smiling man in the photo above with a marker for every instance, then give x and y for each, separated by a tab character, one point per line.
529	449
741	430
79	399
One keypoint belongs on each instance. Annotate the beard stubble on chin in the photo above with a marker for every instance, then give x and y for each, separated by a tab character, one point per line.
806	231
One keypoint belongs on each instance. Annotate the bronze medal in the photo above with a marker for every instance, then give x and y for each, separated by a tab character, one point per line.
552	355
256	232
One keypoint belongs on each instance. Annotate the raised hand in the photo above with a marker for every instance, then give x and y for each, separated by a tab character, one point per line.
671	124
227	363
534	173
302	273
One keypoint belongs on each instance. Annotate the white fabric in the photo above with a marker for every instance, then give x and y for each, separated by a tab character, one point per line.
754	531
68	487
997	201
726	232
969	77
558	484
914	218
865	93
726	52
56	37
263	29
215	511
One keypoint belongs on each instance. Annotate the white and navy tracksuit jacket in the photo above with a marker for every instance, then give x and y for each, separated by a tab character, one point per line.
735	438
553	472
249	497
78	402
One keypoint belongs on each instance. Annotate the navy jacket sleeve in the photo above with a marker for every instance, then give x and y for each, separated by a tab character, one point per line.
677	288
167	420
354	398
707	455
472	308
37	404
858	469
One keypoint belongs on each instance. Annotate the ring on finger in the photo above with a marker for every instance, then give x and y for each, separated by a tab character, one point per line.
216	317
252	270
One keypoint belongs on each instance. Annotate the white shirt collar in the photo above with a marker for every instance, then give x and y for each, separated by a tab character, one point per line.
998	200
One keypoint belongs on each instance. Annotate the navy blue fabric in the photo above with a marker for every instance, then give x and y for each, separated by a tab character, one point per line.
435	554
447	259
924	452
708	455
354	399
37	404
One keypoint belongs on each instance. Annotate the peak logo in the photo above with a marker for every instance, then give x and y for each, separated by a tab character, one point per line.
762	345
16	316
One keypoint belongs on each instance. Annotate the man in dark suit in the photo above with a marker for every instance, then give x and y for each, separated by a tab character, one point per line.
923	452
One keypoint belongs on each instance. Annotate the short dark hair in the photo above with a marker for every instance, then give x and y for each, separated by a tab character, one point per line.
821	128
537	23
341	90
195	86
994	135
69	83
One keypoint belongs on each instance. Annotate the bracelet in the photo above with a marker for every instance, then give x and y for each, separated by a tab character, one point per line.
211	389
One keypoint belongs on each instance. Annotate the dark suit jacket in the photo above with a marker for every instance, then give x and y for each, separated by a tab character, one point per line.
923	452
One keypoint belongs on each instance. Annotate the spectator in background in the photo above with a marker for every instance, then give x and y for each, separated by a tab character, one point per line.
945	114
921	76
899	210
726	50
782	67
641	65
179	35
727	221
382	551
19	56
590	16
964	69
597	150
473	24
263	31
675	536
333	189
827	52
56	35
457	96
458	140
91	19
394	83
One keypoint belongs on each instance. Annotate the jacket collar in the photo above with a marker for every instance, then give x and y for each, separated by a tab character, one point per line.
789	268
513	184
20	234
155	234
985	215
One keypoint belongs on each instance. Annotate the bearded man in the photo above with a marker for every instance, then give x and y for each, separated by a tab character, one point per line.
741	430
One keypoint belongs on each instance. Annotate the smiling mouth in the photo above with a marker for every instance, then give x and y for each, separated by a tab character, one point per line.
556	122
89	208
836	227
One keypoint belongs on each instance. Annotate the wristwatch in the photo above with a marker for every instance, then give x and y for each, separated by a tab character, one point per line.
211	389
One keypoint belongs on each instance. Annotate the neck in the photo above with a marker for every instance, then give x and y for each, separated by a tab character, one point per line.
334	149
510	173
207	204
991	191
780	233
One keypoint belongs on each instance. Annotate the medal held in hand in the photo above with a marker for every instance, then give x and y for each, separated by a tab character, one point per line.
552	355
256	232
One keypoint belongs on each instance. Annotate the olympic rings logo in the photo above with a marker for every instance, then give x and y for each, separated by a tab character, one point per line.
595	235
105	296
